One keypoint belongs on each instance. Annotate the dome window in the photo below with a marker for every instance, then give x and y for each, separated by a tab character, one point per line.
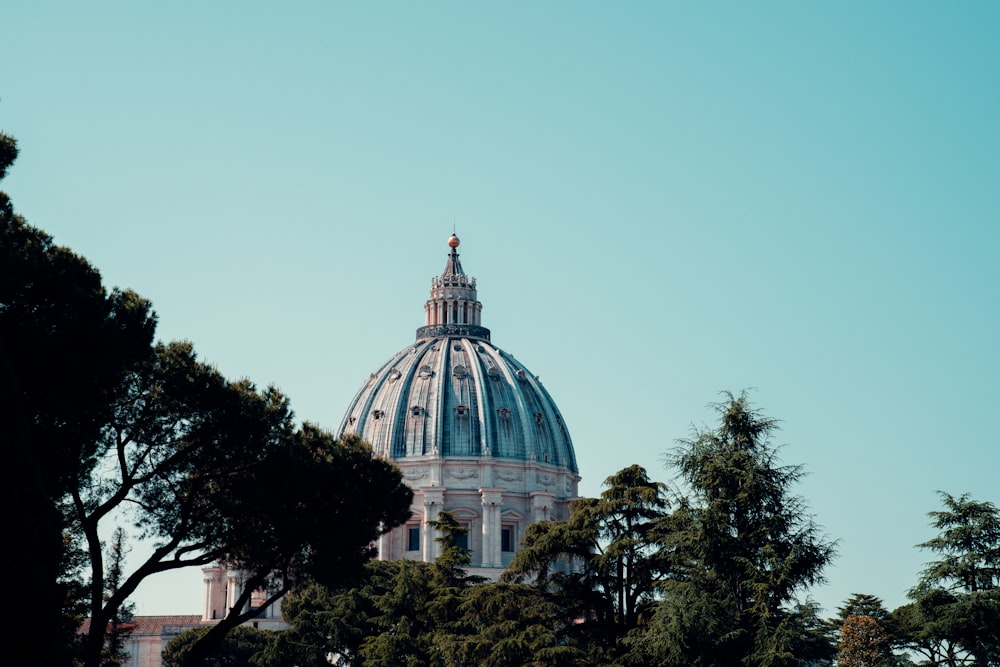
461	371
377	414
425	372
458	348
352	420
539	417
521	376
504	413
460	410
416	411
394	375
494	373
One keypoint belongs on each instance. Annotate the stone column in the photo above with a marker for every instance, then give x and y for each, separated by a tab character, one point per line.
209	580
541	506
234	587
492	500
433	504
384	551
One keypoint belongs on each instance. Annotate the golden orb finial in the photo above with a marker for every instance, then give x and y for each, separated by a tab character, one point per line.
453	241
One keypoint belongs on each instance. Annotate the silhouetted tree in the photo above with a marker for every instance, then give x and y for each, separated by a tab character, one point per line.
98	422
65	346
121	624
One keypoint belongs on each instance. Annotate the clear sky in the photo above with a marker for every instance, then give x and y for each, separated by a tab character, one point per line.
660	200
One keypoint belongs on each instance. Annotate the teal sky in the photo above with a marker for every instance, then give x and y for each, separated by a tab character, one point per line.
660	200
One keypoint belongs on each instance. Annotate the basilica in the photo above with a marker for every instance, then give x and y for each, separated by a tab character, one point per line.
474	433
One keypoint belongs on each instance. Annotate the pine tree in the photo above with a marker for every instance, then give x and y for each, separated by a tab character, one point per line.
742	547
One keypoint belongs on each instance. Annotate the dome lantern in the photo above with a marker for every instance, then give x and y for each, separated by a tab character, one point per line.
453	309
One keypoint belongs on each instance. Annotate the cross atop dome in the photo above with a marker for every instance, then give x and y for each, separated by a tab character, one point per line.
453	309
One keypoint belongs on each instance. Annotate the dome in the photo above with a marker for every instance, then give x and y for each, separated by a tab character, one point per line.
455	396
472	429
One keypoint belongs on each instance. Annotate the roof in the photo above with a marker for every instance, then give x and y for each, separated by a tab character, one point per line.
154	625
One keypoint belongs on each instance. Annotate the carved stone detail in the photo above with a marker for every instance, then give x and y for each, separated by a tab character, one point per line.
462	473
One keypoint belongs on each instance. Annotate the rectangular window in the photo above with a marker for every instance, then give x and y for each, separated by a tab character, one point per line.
413	539
506	539
462	541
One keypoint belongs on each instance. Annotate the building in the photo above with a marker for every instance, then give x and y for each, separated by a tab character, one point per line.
472	429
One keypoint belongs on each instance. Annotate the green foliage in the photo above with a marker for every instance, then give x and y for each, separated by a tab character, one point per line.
956	611
507	625
241	647
741	546
969	546
8	153
397	616
384	620
622	581
862	604
600	567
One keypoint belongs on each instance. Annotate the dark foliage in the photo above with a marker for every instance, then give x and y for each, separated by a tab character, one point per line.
741	547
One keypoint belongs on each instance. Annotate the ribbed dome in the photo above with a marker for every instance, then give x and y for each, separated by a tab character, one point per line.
456	396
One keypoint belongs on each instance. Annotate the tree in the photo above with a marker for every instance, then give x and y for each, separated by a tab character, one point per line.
866	632
102	425
601	566
862	604
383	618
741	547
507	625
215	471
392	616
239	648
121	624
956	617
65	345
863	643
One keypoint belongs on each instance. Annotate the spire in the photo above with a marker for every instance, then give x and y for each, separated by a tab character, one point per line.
453	309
